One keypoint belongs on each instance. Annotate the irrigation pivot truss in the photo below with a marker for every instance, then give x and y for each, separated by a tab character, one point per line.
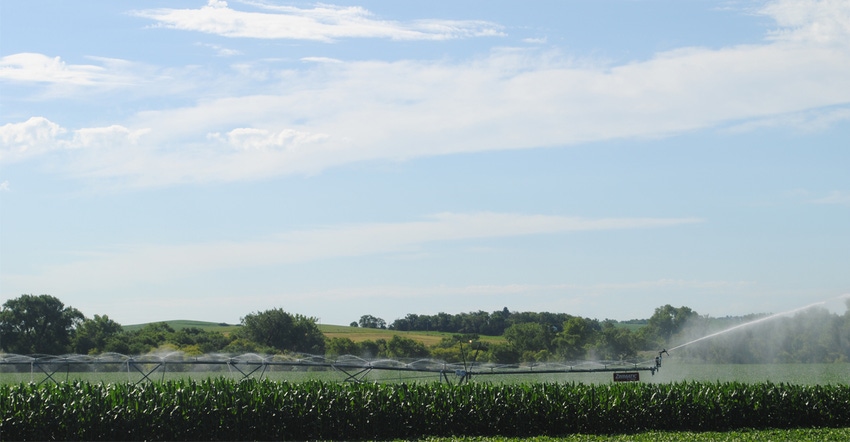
352	368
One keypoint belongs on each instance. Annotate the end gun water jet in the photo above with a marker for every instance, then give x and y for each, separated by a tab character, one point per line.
747	324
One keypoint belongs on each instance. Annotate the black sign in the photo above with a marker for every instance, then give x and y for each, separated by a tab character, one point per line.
627	377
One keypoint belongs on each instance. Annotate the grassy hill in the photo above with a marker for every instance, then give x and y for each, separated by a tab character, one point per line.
359	334
178	324
356	334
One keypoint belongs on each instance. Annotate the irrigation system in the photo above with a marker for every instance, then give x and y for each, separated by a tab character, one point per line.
47	368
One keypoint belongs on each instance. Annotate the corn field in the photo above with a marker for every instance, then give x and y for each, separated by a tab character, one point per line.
224	409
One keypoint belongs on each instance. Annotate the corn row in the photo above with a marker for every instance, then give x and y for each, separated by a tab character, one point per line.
224	409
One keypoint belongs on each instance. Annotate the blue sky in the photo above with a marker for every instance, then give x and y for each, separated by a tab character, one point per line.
183	159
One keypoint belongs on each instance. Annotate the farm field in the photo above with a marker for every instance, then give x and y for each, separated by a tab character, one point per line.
360	334
226	409
178	324
675	370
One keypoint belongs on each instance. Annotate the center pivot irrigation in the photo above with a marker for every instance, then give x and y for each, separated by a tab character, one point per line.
354	369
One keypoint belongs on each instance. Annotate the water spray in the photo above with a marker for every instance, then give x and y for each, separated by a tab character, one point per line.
757	321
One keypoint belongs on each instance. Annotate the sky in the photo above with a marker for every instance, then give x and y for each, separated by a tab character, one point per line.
205	160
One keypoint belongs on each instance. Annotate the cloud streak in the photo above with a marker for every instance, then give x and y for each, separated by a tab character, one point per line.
133	265
39	136
834	198
33	67
323	114
325	23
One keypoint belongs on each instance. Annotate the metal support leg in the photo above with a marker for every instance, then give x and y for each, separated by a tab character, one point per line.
48	373
355	377
145	376
246	375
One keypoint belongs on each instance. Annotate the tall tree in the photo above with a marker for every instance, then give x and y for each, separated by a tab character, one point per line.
369	321
92	334
283	331
577	335
401	347
667	321
37	324
529	337
615	343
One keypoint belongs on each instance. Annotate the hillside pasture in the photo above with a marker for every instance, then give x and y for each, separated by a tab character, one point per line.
356	334
360	334
179	324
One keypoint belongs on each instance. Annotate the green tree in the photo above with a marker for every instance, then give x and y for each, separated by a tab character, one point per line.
37	324
529	337
285	332
242	345
666	322
369	321
460	347
373	349
202	340
92	335
503	354
577	335
615	343
142	341
401	347
341	347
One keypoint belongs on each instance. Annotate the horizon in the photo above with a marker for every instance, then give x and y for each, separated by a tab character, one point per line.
212	159
828	305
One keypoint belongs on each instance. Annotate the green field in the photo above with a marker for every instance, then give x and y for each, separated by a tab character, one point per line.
178	324
359	334
223	409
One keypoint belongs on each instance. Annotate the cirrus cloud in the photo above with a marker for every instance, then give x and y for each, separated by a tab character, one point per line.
329	112
133	264
321	23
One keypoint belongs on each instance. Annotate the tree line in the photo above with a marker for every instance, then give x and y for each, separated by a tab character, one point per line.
44	325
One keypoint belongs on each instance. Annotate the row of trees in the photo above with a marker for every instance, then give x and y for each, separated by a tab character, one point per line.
545	335
43	324
480	322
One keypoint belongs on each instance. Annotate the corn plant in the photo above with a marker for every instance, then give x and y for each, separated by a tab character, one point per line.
224	409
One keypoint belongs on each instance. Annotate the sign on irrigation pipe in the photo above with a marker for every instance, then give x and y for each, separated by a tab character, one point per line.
627	377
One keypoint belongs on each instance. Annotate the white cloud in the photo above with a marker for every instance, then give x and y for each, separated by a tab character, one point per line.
821	21
39	68
130	265
109	136
262	139
835	197
221	51
807	121
320	23
321	60
39	136
327	112
4	186
478	291
32	137
515	100
538	41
